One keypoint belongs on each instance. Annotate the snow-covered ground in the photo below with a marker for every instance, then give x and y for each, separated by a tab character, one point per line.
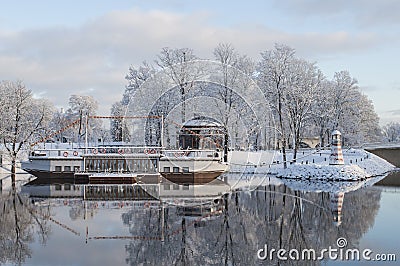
312	164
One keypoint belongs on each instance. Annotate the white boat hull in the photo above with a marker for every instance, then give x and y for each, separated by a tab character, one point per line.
191	170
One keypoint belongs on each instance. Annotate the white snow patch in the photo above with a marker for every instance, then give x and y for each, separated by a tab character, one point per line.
312	164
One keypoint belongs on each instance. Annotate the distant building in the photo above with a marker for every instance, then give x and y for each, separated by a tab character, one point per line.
309	142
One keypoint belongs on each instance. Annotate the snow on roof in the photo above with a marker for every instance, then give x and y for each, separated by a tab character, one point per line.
202	121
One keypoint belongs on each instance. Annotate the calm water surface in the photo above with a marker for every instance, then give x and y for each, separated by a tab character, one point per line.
227	230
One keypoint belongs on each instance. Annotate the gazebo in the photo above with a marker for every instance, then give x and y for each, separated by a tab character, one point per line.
203	133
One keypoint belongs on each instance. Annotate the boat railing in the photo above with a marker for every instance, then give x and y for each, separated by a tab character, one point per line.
56	153
191	153
79	152
123	150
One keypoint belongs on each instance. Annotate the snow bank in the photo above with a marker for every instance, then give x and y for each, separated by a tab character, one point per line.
324	172
359	165
311	164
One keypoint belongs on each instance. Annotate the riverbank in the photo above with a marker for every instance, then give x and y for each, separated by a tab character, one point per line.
359	165
312	164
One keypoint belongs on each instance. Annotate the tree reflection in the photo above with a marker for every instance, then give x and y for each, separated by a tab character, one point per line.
272	215
19	220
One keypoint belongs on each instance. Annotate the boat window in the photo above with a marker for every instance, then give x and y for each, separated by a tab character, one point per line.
176	187
176	169
67	187
185	169
57	186
67	168
167	169
57	168
185	187
167	187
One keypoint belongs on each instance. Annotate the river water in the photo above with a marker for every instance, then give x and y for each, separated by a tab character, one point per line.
55	225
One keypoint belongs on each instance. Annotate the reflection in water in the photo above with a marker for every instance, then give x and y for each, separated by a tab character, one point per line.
336	190
227	229
336	206
19	220
272	215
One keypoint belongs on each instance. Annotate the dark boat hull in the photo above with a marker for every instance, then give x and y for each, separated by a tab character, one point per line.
47	174
192	178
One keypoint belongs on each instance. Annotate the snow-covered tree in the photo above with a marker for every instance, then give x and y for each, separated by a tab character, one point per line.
351	111
136	77
302	101
231	72
391	131
361	123
81	107
274	70
340	105
60	121
344	96
23	119
303	81
119	127
322	110
228	57
176	63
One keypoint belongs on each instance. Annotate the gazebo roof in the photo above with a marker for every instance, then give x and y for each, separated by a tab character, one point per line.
202	121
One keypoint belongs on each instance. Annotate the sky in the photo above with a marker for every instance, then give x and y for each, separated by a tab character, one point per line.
61	48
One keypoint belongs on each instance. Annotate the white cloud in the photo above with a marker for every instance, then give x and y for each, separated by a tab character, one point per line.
94	58
362	13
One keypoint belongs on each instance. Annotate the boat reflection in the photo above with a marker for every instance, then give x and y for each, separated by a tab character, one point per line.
164	190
